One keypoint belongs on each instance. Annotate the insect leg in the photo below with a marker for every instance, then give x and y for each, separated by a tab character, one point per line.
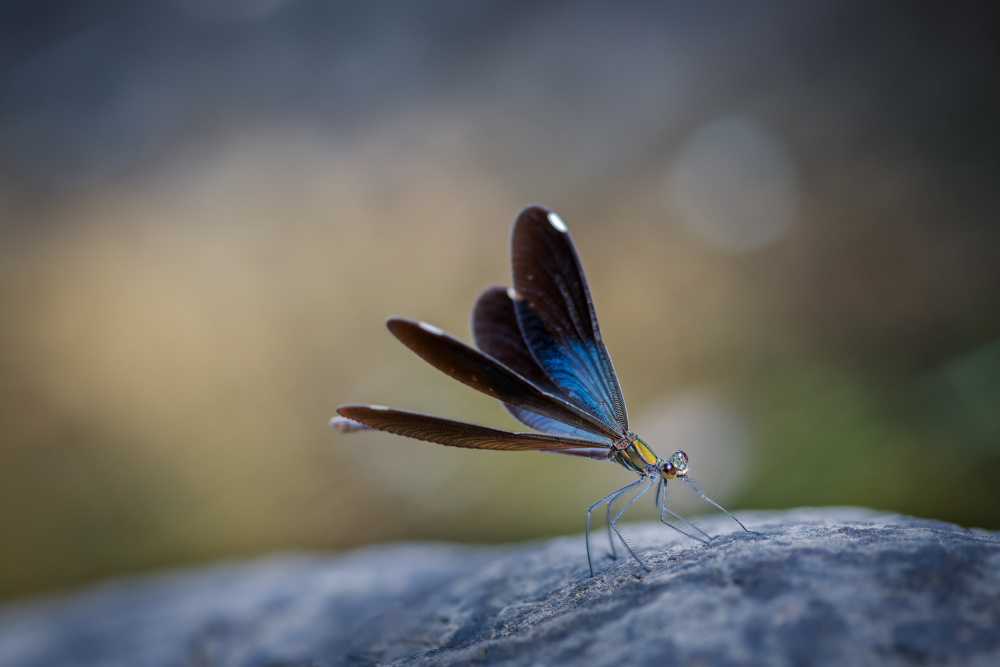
607	525
614	521
607	498
661	504
709	500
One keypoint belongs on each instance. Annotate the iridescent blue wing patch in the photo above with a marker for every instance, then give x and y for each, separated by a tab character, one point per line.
556	316
497	334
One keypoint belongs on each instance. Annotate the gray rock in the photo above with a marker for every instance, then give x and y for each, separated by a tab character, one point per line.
818	586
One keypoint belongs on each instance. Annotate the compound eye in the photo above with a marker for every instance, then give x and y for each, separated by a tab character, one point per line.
668	469
680	455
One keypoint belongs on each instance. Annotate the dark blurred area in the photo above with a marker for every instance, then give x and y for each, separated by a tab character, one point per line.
788	213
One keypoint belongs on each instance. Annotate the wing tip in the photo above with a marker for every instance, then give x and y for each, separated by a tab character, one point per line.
537	218
534	209
400	325
347	425
353	411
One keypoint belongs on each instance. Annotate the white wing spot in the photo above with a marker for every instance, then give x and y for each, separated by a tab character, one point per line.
557	222
431	328
511	294
378	407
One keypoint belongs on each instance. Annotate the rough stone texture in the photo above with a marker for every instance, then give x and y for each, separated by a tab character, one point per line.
818	586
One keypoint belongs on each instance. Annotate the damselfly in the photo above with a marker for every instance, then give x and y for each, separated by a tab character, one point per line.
540	353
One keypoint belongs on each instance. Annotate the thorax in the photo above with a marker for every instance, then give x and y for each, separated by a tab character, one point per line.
636	456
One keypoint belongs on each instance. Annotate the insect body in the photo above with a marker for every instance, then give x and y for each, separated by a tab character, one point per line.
541	354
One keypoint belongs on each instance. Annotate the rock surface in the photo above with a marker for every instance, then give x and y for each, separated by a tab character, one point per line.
829	586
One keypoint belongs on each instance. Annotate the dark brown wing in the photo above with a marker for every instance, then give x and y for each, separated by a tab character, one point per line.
557	318
461	434
473	368
497	334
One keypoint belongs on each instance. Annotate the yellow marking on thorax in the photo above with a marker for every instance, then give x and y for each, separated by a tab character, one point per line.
637	456
647	455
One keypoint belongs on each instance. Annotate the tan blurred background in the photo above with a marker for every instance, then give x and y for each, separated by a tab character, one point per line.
788	214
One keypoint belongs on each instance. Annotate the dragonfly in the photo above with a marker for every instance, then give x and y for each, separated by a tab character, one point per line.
538	349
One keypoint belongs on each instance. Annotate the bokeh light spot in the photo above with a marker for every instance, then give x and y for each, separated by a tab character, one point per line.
733	184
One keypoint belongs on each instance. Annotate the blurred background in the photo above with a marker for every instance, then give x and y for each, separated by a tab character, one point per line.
788	214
